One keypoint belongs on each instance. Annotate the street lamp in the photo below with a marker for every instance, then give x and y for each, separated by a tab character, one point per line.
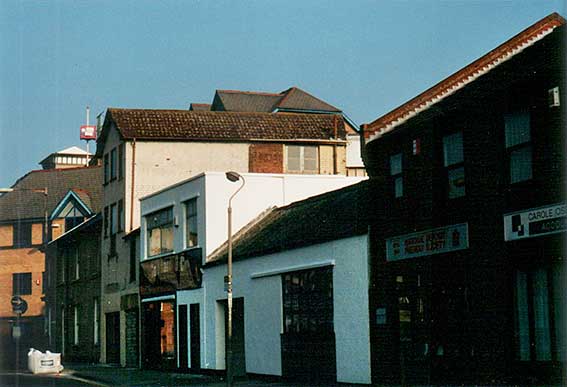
233	177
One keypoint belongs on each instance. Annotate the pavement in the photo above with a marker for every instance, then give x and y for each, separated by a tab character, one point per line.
100	375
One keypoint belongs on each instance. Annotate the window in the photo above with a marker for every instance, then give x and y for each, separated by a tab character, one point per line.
191	235
76	325
120	215
308	301
518	145
21	284
453	162
96	321
76	263
105	222
133	257
61	262
22	235
113	166
106	169
539	314
121	161
160	232
302	159
113	219
396	173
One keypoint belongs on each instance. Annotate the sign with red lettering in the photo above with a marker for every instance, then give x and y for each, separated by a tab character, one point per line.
88	132
428	242
535	222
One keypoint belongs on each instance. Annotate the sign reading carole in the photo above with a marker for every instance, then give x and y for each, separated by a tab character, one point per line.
428	242
88	132
535	222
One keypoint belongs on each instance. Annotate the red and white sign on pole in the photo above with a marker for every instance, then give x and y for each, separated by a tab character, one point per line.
88	132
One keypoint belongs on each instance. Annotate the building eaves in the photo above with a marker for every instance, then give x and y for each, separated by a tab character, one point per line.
463	77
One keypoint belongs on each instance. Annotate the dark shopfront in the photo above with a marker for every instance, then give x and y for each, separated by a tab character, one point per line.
535	244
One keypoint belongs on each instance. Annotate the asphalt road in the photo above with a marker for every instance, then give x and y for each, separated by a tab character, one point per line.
12	379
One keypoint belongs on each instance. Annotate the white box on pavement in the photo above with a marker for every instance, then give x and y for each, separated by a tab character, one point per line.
44	363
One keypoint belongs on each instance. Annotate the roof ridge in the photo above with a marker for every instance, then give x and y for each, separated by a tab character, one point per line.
249	92
461	77
220	112
321	196
296	89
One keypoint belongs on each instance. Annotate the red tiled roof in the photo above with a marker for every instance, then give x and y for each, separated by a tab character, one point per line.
24	203
200	106
223	126
464	76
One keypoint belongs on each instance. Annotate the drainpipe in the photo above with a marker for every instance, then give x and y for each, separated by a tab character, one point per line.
335	158
132	183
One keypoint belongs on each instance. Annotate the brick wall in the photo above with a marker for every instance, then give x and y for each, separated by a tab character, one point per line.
6	235
265	158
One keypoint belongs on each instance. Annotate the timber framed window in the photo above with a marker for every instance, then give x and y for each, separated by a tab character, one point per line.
191	234
160	232
302	159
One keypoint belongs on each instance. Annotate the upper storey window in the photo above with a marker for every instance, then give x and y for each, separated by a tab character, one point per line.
518	145
160	232
396	171
453	161
302	159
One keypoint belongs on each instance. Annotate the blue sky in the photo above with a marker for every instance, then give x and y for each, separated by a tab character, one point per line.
366	57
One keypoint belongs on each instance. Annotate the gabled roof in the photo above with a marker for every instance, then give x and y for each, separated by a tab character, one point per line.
73	150
292	99
185	125
464	76
74	198
330	216
23	203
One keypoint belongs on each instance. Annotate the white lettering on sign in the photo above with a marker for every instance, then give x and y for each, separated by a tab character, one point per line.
535	222
428	242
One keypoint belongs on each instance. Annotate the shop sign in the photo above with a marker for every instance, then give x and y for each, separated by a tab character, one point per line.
428	242
535	222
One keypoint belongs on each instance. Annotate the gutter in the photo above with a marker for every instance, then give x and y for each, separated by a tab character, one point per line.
132	183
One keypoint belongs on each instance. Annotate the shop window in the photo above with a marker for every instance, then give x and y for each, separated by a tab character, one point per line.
191	234
453	162
308	301
21	284
396	171
302	159
160	232
539	314
518	145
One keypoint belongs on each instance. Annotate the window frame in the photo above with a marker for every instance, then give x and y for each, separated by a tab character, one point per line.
302	169
189	216
22	284
106	168
454	166
396	176
525	145
113	164
149	228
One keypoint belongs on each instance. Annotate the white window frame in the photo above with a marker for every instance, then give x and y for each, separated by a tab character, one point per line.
302	159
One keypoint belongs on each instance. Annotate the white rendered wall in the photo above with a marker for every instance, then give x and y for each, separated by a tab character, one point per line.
263	306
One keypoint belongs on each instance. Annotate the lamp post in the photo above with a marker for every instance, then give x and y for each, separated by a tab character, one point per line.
233	177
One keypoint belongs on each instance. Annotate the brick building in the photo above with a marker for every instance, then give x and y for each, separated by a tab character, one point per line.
468	281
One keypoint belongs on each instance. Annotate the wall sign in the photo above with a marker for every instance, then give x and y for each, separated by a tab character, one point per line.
428	242
535	222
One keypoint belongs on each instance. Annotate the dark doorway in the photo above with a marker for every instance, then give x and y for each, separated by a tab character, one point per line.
195	337
238	341
308	340
113	338
182	329
159	335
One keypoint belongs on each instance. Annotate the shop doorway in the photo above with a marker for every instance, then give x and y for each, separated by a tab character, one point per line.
113	338
159	335
238	339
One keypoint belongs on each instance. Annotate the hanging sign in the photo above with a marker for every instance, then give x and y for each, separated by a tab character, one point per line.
535	222
428	242
88	132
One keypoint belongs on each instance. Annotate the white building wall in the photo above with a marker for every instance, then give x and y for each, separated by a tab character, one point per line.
258	280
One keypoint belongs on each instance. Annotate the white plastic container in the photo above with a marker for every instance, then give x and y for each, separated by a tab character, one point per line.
44	363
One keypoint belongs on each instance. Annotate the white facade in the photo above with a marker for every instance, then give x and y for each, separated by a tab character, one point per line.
259	282
212	190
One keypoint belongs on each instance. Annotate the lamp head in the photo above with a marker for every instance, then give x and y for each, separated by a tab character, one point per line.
233	176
